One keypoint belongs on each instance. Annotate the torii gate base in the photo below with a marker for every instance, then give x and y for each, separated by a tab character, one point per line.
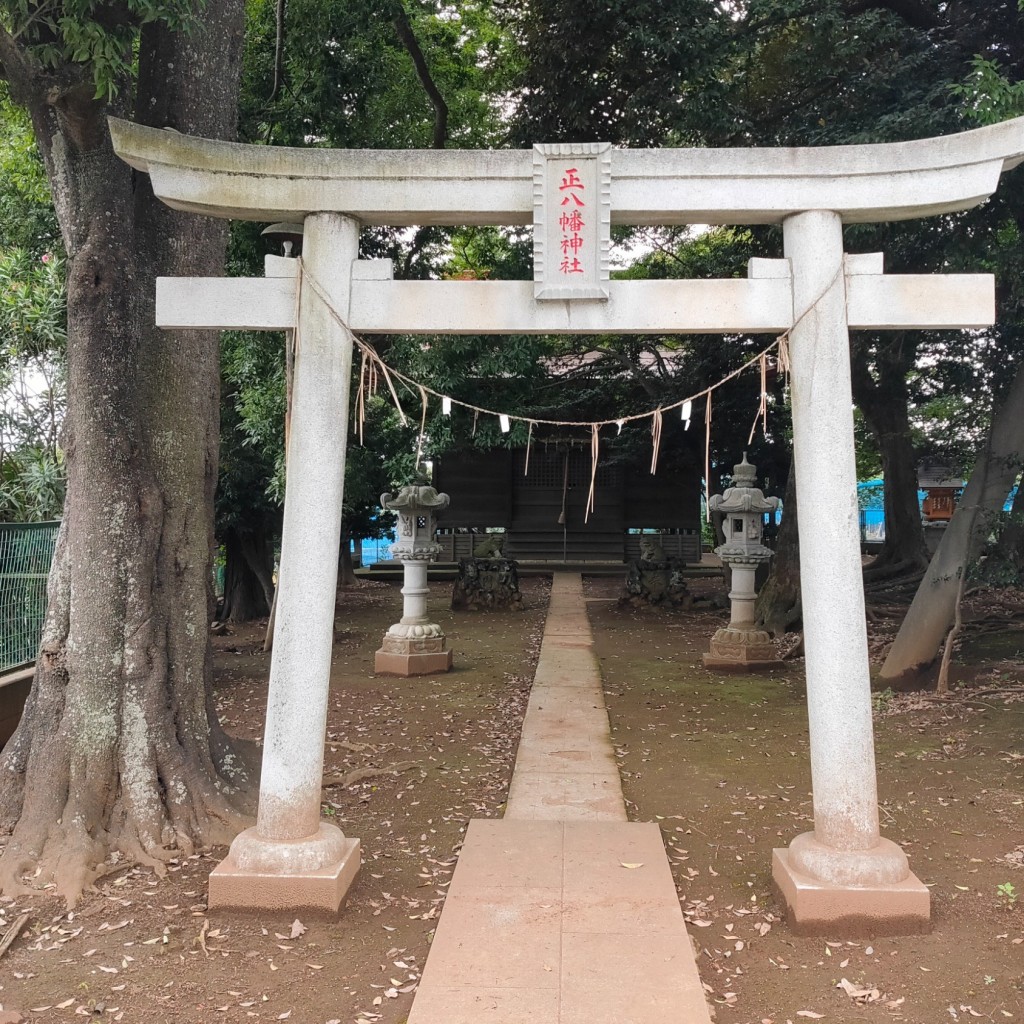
842	876
235	884
853	911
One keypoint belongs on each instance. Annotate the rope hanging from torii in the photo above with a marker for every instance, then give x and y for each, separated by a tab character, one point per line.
373	367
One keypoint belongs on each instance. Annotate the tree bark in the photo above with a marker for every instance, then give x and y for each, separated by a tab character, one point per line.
248	579
119	748
884	401
346	570
778	603
917	644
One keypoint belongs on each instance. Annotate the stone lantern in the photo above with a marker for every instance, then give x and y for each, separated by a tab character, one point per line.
414	646
740	645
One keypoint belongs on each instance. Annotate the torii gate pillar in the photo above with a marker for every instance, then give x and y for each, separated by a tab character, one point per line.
291	858
843	875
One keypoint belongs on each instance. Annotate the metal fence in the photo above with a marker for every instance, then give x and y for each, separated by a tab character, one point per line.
26	551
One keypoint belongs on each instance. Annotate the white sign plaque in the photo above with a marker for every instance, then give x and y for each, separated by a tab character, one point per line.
571	220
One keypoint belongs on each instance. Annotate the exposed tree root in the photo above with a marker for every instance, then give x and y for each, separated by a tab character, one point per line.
105	771
12	933
893	589
878	570
780	613
796	651
360	774
70	857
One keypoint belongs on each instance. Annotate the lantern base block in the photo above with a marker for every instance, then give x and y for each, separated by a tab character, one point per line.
740	649
813	907
412	656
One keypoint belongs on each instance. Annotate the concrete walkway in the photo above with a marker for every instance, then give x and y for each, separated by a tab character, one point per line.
563	912
565	769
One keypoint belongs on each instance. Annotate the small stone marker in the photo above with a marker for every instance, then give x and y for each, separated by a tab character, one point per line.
488	581
655	579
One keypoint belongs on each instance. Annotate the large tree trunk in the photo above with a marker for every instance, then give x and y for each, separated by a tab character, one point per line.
248	576
778	603
884	401
931	614
119	747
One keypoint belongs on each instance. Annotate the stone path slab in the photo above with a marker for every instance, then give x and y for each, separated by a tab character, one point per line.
544	924
563	912
565	769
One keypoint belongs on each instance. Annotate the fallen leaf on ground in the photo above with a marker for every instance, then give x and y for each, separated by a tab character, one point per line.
859	995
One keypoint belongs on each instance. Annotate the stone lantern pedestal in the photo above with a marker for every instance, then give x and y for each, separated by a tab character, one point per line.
414	646
741	645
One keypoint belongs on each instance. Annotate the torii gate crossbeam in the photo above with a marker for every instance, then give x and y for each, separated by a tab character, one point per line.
843	875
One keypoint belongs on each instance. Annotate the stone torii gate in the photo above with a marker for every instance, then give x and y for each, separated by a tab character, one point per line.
843	870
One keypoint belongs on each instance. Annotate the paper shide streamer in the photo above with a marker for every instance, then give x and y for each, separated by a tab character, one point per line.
372	364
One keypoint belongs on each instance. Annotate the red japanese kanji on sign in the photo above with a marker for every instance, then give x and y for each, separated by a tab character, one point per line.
572	243
572	186
572	220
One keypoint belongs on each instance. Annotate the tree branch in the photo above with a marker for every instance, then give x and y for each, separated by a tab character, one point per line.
278	49
410	42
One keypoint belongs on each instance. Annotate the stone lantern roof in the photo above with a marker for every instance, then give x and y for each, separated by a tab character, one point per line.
743	496
413	498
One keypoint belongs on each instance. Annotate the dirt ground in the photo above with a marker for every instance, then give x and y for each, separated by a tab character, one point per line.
720	762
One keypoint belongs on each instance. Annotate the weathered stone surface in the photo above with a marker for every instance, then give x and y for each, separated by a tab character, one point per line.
492	546
831	575
417	505
741	648
412	645
656	583
485	584
415	646
742	507
877	302
290	854
864	183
